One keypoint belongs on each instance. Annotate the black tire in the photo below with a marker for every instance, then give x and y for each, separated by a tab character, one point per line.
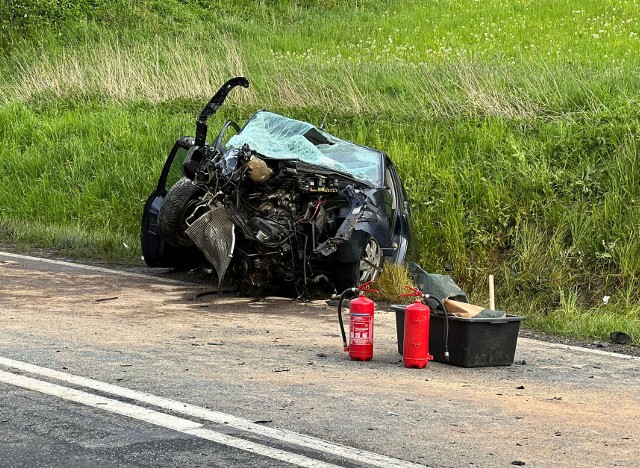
367	268
178	204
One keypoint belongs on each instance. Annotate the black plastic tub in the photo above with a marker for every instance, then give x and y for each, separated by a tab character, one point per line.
474	342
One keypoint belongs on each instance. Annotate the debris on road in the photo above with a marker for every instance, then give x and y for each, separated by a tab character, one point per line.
620	337
107	299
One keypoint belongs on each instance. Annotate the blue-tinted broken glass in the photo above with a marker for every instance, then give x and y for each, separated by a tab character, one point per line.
279	137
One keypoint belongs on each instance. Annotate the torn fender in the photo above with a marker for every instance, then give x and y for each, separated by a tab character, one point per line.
367	214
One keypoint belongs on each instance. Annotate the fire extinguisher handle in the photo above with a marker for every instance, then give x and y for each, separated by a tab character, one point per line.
363	287
415	292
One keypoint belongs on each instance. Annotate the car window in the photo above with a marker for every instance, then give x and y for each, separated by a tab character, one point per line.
175	172
389	182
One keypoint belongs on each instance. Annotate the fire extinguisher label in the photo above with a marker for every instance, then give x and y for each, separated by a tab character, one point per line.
361	330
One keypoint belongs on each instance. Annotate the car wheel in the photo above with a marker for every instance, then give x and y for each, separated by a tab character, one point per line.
178	204
370	264
367	268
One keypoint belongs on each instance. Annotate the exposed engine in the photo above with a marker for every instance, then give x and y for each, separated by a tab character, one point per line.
262	221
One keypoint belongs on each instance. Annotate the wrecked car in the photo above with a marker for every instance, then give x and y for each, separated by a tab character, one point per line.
279	206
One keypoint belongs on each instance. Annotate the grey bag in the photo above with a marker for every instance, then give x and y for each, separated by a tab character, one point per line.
438	286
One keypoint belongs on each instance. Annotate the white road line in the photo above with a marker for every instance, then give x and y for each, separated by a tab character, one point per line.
159	419
351	453
577	348
93	268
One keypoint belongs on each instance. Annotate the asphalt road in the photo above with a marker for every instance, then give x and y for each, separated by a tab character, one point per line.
39	430
104	368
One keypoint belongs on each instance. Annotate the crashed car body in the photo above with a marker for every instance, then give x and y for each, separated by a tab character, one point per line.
281	206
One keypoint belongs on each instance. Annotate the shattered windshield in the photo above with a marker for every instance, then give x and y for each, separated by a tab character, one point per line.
279	137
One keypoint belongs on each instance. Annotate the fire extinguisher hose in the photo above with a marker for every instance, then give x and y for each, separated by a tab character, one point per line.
342	297
446	327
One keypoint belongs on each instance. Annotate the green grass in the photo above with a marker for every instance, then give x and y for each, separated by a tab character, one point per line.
514	125
391	285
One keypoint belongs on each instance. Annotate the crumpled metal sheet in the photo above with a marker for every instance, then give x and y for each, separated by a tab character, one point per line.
214	234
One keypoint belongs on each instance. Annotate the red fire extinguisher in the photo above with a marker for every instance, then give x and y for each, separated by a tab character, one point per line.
415	350
417	316
361	310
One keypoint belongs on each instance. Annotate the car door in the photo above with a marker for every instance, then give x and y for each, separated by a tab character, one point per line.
400	217
156	252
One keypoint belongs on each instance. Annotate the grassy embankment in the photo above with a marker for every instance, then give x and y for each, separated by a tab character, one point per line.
514	126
